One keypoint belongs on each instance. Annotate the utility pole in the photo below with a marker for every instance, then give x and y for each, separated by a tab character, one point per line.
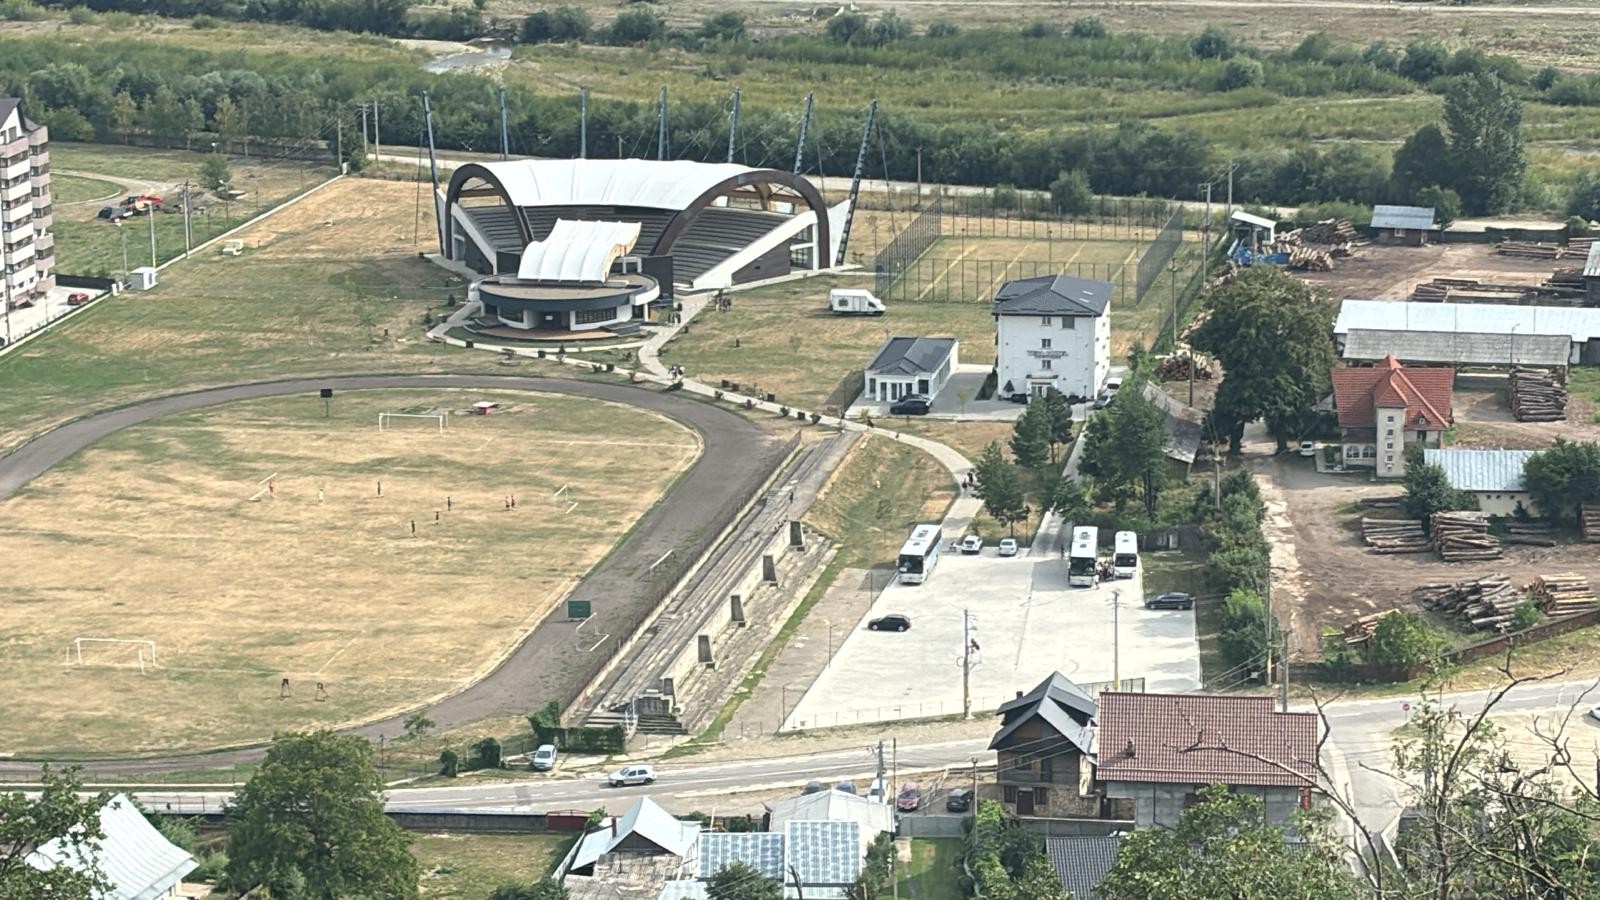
377	142
505	135
583	123
124	250
661	125
1205	243
967	646
338	147
1116	639
363	125
919	178
1266	601
1283	672
150	213
188	236
1231	167
733	125
800	145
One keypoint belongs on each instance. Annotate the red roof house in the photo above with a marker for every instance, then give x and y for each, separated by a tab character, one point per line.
1158	750
1385	408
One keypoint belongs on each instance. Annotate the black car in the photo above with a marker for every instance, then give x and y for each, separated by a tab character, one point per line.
891	622
959	800
914	405
1170	600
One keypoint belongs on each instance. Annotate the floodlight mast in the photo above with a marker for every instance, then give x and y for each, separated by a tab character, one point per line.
855	183
805	126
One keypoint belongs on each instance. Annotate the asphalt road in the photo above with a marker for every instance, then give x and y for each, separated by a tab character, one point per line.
737	458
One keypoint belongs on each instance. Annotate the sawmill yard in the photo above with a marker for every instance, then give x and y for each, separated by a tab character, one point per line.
1384	272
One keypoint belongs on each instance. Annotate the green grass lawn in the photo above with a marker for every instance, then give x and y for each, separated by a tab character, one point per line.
1584	383
76	189
934	872
873	500
471	866
781	339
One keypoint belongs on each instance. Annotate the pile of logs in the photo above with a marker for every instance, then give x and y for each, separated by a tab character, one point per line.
1530	250
1578	247
1381	502
1461	536
1487	602
1563	595
1537	396
1329	231
1394	535
1535	533
1361	630
1590	513
1310	259
1179	367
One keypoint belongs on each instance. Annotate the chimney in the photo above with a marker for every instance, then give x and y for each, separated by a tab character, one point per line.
1128	751
1019	695
614	818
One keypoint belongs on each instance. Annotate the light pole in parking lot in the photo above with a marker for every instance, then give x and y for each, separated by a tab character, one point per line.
1116	639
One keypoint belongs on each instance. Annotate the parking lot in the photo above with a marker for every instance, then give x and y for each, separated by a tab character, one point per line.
1026	622
22	322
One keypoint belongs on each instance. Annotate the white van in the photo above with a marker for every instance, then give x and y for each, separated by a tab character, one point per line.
1125	564
854	302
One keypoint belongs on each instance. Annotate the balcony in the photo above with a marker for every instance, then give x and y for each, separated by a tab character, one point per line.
43	220
10	149
44	245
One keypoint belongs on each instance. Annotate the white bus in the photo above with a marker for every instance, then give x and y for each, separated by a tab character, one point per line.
920	554
1126	563
1083	557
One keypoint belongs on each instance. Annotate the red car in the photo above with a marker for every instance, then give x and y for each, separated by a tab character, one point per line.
77	298
910	797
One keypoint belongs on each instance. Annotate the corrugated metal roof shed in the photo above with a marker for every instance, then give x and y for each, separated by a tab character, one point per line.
1577	323
1240	215
1081	862
1481	470
1371	344
136	860
1591	266
1413	217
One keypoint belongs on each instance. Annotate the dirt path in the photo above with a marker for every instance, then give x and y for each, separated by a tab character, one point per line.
737	459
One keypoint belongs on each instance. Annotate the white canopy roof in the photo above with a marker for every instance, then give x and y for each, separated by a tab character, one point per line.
577	251
654	184
139	863
1579	323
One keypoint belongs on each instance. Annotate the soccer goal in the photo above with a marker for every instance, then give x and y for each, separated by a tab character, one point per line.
386	419
144	652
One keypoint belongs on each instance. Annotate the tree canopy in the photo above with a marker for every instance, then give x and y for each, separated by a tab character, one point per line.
741	881
1123	449
1223	847
1428	488
1564	477
57	811
310	823
1271	334
1484	115
999	486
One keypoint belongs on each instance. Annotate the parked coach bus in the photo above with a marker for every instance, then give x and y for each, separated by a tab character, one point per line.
920	554
1083	556
1126	562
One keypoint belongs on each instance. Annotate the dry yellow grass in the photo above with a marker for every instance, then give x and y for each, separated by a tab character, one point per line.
152	535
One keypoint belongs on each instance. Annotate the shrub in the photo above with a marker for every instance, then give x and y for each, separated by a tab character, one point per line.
203	23
635	26
1070	193
26	11
1088	27
1446	203
1039	28
1240	72
1403	640
486	754
847	27
943	29
1213	43
1525	616
449	764
1577	226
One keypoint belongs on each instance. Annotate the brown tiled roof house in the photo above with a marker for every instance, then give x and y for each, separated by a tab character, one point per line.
1387	407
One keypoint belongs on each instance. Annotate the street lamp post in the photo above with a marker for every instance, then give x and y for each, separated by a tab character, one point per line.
124	234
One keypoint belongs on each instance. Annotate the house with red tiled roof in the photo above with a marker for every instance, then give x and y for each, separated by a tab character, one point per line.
1156	751
1387	408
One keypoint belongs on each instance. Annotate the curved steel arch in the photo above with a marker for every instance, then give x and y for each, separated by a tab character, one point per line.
466	173
758	179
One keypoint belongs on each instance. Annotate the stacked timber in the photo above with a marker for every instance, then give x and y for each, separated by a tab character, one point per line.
1430	293
1487	602
1470	290
1381	502
1534	533
1578	247
1394	535
1181	366
1361	630
1310	259
1563	595
1537	396
1329	231
1529	250
1590	513
1565	280
1462	536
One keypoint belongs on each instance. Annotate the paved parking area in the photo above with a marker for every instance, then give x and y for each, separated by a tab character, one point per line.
43	313
1027	623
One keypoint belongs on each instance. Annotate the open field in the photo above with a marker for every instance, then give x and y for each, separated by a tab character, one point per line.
65	189
788	343
961	268
388	598
87	245
471	866
1380	272
353	304
875	497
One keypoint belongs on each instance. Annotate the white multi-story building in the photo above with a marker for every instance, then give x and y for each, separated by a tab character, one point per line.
27	250
1054	331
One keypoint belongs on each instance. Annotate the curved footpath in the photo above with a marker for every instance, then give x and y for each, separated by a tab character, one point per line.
738	457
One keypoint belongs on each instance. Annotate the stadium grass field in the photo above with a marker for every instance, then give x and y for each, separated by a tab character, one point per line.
152	534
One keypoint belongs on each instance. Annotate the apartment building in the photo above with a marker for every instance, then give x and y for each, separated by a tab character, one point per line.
27	250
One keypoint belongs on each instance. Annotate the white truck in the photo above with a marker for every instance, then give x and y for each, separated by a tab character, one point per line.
854	302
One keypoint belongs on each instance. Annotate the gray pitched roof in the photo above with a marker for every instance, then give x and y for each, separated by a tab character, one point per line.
647	819
135	858
7	104
912	355
1416	217
1481	470
1082	862
1055	700
1053	295
1482	348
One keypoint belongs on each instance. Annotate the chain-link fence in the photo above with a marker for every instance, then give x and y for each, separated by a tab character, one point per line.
965	279
907	247
1159	253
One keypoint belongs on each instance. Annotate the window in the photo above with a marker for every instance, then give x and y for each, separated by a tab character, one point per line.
1045	363
1045	321
1069	322
1044	343
1023	764
1389	445
591	316
1369	452
1039	797
1010	793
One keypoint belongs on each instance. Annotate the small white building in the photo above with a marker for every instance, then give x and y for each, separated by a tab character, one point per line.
910	365
137	861
1053	331
1494	477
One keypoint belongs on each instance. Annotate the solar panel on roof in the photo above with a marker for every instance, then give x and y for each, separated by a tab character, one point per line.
824	853
762	851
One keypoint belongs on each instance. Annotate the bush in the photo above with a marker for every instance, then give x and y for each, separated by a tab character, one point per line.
1244	623
1403	640
635	26
212	866
486	754
1039	28
449	764
1577	226
1526	616
847	27
1213	43
1088	27
943	29
26	11
723	26
1070	193
547	729
1240	72
1445	202
203	23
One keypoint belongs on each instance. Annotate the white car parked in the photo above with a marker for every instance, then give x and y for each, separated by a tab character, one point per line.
1008	546
971	545
632	775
